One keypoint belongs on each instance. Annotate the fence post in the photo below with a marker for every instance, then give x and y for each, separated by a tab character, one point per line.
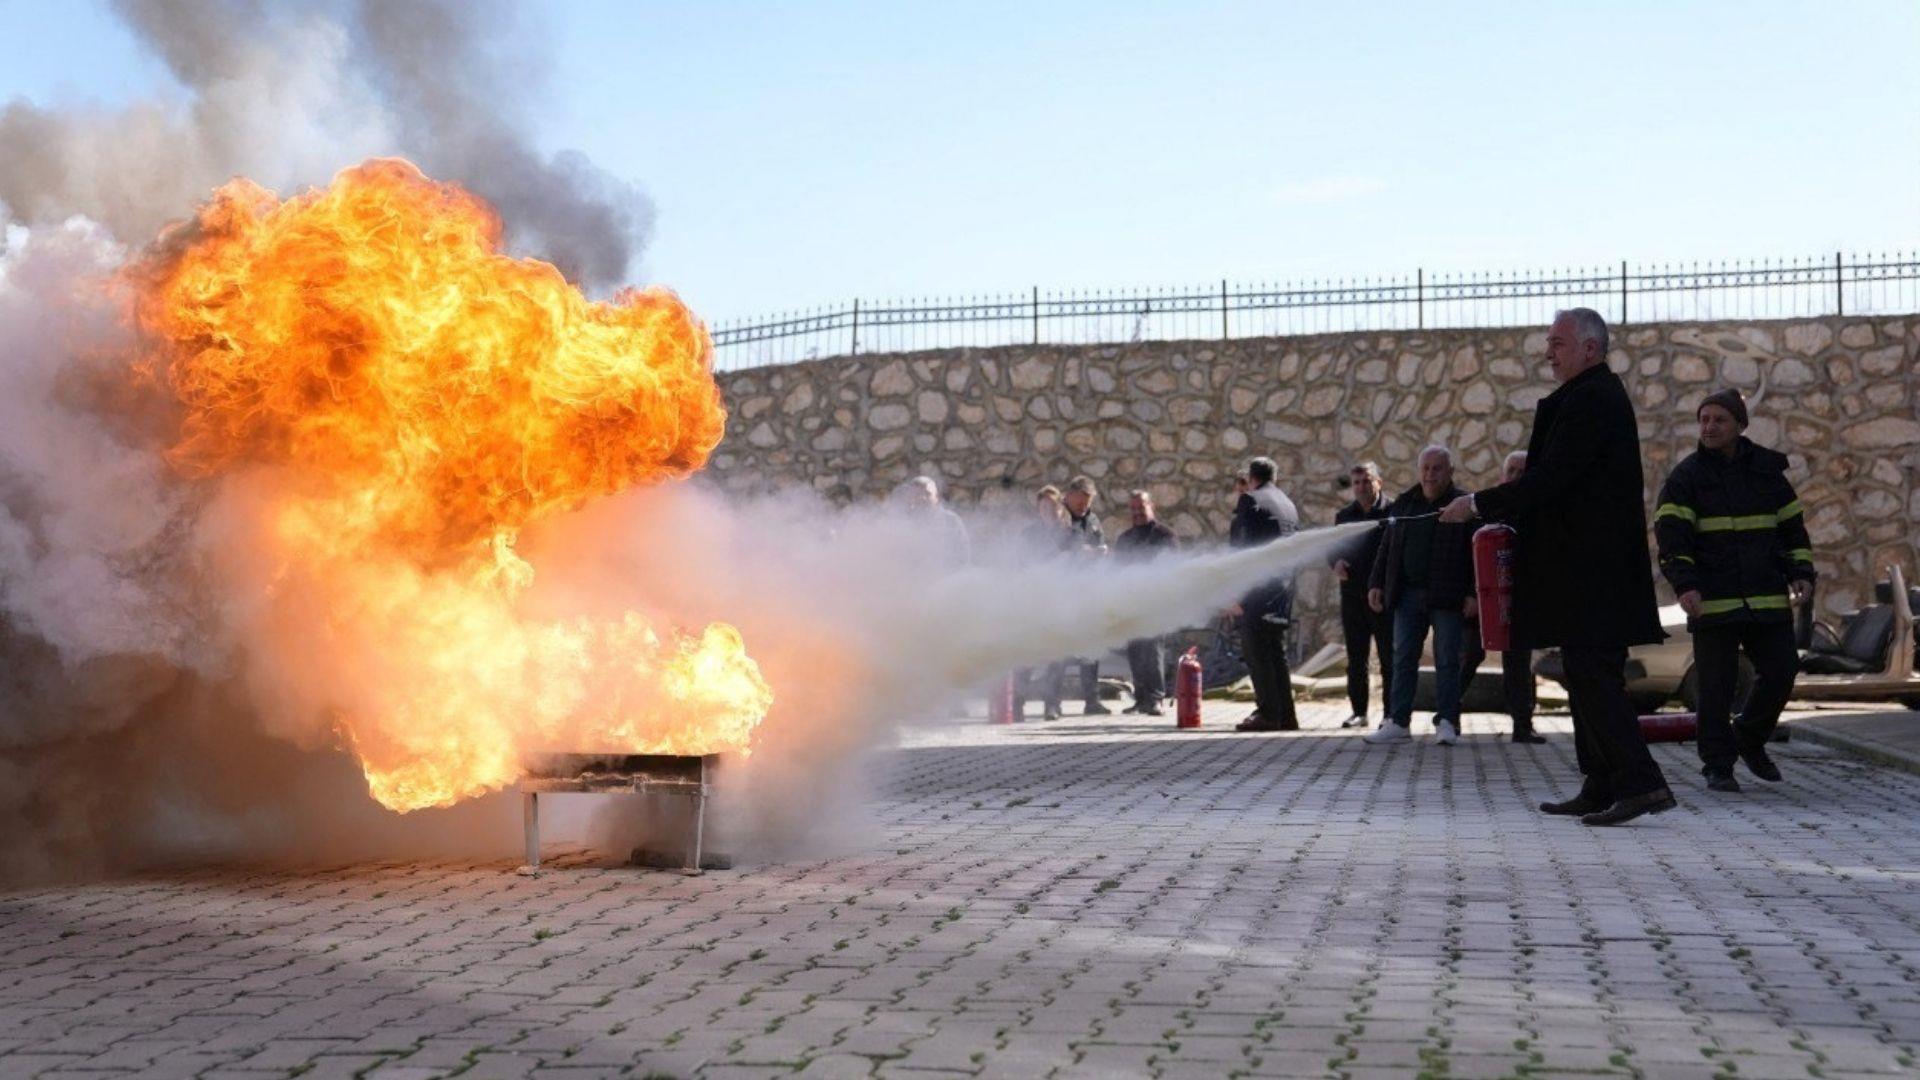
1036	314
856	327
1839	290
1420	298
1623	292
1225	333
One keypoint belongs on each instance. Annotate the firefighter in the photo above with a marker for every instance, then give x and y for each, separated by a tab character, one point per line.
1733	544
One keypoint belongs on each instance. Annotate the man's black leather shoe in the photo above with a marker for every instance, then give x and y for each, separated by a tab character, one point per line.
1625	810
1760	765
1094	708
1723	781
1573	807
1527	735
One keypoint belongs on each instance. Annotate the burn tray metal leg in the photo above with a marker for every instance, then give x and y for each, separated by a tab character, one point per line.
699	823
530	814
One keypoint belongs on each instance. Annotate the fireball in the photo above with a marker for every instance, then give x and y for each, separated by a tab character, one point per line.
388	400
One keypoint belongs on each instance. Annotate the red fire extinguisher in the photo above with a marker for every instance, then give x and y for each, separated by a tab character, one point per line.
1000	704
1493	584
1186	690
1669	727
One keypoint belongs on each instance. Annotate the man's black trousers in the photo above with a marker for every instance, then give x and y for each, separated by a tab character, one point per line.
1148	662
1366	632
1265	644
1613	756
1516	676
1716	667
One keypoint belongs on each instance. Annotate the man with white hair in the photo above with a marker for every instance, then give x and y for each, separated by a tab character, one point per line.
1423	576
1582	577
921	495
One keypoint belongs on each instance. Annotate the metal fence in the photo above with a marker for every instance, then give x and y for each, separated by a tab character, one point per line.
1757	289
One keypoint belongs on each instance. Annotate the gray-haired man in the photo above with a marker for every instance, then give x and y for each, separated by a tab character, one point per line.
1582	579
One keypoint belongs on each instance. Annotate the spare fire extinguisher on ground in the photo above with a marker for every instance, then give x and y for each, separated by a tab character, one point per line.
1493	585
1186	690
1669	727
1000	704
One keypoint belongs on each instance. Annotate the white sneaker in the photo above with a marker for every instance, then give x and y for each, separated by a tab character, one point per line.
1446	733
1388	732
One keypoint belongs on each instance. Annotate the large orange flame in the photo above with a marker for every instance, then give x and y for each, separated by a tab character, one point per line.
422	397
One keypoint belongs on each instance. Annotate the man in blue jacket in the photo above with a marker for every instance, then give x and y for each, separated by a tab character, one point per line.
1733	544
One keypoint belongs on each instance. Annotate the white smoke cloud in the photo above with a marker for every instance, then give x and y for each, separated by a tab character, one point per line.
143	717
87	521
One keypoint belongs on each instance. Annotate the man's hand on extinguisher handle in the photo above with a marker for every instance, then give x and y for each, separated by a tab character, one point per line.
1458	511
1690	602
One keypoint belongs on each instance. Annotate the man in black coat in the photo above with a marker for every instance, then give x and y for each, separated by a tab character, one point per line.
1262	515
1145	657
1582	578
1365	630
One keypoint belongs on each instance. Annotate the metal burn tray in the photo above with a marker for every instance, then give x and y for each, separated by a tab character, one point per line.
623	774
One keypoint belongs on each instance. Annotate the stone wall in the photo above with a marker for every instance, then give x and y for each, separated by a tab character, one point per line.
1840	395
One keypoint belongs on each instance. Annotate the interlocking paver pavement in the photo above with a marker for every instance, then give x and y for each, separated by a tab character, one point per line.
1089	897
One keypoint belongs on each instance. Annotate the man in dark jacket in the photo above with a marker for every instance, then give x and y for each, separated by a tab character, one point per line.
1146	539
1424	578
1262	515
1582	578
1091	542
1364	629
1516	665
1046	537
1733	544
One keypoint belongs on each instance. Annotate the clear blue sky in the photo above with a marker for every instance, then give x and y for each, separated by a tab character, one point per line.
805	153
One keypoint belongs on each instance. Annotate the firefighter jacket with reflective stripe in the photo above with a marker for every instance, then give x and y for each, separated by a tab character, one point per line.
1732	528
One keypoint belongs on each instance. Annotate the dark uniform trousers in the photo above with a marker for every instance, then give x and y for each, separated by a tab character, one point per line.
1265	644
1613	756
1366	632
1716	665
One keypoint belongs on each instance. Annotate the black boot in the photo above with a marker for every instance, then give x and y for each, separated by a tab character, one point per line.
1760	765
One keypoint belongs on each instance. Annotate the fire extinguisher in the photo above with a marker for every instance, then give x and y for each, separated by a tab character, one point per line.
1186	690
1493	584
1669	727
1000	705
